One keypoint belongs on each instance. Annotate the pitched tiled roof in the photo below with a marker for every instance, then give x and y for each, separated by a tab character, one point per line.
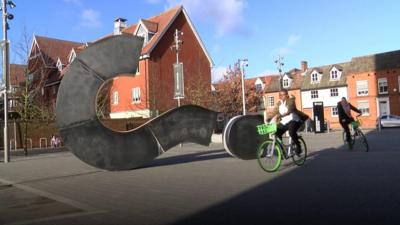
266	79
375	62
162	21
17	74
274	83
150	25
56	48
326	78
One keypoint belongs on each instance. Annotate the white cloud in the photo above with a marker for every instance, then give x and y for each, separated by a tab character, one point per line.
287	49
90	18
293	39
217	73
267	72
225	15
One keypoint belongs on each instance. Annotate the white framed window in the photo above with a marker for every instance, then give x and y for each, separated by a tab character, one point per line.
334	74
334	92
362	87
314	77
271	101
382	86
334	111
115	98
314	94
363	106
258	87
285	83
136	95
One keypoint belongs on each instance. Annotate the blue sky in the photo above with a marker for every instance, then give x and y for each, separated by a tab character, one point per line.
318	31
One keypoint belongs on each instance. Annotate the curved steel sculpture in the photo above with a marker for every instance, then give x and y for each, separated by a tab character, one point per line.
101	147
240	136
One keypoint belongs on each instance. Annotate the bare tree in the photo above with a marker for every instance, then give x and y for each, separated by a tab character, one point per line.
228	93
28	93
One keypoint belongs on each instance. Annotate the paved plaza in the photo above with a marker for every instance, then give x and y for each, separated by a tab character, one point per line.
194	184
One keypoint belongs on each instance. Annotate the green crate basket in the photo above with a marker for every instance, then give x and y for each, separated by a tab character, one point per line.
264	129
355	124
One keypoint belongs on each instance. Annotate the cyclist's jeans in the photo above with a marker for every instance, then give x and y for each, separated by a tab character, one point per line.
292	126
345	124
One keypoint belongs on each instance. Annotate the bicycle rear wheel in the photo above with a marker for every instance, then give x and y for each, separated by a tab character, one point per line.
300	159
363	140
269	156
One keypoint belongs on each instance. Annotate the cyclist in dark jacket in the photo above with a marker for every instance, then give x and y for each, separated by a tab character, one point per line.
345	118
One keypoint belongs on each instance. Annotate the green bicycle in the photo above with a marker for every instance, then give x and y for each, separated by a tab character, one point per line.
356	135
272	151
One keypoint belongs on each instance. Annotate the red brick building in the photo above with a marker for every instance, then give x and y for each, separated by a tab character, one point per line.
374	85
150	90
47	58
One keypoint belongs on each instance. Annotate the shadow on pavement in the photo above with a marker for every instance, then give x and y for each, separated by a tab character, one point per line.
336	186
187	158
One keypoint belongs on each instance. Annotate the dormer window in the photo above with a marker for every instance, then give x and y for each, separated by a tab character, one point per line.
315	76
285	83
141	32
259	84
59	64
258	87
146	29
335	74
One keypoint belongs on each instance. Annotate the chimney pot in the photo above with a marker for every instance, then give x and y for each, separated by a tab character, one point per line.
119	25
304	66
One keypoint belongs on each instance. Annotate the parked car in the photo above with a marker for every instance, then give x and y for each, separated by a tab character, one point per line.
389	121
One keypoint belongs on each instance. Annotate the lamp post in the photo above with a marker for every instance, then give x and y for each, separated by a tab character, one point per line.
279	64
6	64
243	63
178	68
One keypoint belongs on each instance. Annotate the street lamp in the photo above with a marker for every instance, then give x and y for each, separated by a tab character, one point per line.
243	63
279	64
179	90
6	72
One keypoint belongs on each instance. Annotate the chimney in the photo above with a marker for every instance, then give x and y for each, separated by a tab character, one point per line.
304	66
119	25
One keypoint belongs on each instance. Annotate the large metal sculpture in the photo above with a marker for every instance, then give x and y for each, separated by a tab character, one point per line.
240	136
101	147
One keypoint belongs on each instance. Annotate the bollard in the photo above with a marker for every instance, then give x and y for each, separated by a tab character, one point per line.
328	126
379	124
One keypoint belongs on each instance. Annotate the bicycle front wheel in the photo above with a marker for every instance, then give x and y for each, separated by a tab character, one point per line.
269	156
300	159
363	141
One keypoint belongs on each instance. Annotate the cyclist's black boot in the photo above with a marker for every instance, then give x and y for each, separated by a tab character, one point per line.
298	149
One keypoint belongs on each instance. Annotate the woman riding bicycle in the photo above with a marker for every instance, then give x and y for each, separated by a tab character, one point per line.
287	118
345	118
